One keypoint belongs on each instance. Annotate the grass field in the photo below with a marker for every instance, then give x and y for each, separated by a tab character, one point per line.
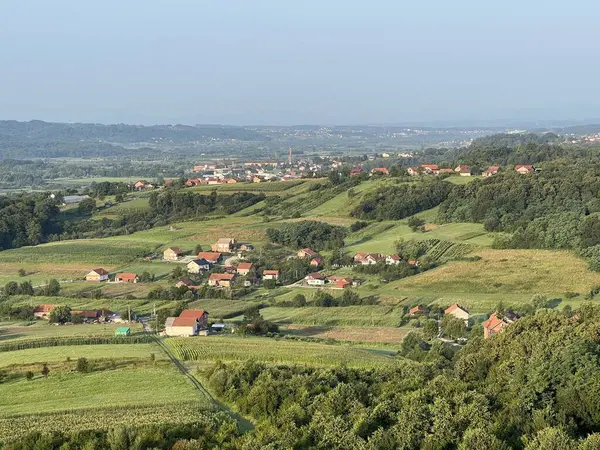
136	204
120	387
41	329
230	348
91	352
223	308
367	316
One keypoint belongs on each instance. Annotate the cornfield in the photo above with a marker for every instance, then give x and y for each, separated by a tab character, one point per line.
74	340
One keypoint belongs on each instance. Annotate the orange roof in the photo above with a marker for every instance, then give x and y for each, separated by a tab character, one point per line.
194	313
430	166
416	309
209	256
176	250
493	322
308	251
221	276
184	322
271	272
44	308
381	169
315	276
126	276
244	266
451	308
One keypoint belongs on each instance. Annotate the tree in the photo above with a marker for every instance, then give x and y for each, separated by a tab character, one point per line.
87	206
430	329
177	273
551	439
197	249
453	327
60	314
29	375
83	365
323	299
299	301
45	370
26	288
539	301
416	223
52	289
22	272
11	288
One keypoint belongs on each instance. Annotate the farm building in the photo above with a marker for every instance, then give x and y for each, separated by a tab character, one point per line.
367	259
316	262
87	315
189	323
221	279
490	171
340	282
523	170
463	170
416	310
97	275
315	279
198	265
126	277
43	311
392	260
211	257
459	312
224	245
270	274
123	331
245	269
173	254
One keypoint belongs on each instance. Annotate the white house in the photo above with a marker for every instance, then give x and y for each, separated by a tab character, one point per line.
315	279
198	265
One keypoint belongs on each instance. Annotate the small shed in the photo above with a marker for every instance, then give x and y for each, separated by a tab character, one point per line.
123	331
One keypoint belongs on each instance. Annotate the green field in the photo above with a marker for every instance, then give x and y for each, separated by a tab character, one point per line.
120	387
371	315
91	352
41	329
230	348
223	308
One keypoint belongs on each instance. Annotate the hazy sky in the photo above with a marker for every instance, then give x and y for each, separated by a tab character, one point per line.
303	61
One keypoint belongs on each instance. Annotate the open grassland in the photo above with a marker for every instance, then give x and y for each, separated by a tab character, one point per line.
135	205
222	308
511	276
381	237
40	330
230	348
176	412
89	252
115	388
387	335
462	180
367	316
37	356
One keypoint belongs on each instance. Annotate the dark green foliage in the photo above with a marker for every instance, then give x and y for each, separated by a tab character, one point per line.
83	366
358	225
416	223
61	314
308	233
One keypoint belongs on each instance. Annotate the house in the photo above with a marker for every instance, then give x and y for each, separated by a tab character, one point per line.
187	283
416	310
497	322
198	265
229	180
86	315
315	279
123	331
271	275
367	259
173	254
392	260
492	170
380	171
413	262
142	185
459	312
245	269
97	275
355	171
523	170
246	247
413	171
43	311
221	279
193	182
224	245
463	170
189	323
210	257
340	282
316	262
430	168
126	278
307	252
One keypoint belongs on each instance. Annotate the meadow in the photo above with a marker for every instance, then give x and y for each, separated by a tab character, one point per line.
39	330
108	388
366	316
231	348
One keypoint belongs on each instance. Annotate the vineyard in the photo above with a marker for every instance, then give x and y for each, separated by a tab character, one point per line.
274	351
177	413
440	249
74	340
310	202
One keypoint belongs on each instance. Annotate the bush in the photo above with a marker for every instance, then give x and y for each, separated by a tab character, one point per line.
83	365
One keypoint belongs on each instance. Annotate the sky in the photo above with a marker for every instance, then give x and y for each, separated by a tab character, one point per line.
281	62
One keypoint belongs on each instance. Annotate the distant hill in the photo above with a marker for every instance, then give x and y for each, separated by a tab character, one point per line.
37	130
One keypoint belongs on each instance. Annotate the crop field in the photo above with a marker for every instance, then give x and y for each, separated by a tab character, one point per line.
367	316
231	348
386	335
223	308
40	330
511	276
109	252
177	412
115	388
37	356
269	187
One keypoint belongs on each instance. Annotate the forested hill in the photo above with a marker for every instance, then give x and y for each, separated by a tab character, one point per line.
39	131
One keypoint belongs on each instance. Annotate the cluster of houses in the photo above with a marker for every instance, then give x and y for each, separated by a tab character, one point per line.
98	275
495	324
464	170
367	259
